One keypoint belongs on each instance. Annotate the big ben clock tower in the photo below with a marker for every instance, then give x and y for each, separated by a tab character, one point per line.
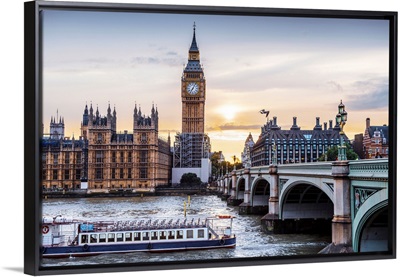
192	146
193	91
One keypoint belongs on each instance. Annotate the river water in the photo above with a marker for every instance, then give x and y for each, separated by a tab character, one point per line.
251	241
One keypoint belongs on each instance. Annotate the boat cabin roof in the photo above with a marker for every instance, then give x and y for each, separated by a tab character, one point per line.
141	225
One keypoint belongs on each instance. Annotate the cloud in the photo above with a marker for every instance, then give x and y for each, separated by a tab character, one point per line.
145	60
155	55
336	86
169	60
171	53
91	65
99	60
256	74
232	127
369	95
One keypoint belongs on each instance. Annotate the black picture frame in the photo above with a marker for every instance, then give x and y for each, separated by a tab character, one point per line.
33	126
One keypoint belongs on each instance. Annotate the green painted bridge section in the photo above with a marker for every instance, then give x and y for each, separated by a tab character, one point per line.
350	196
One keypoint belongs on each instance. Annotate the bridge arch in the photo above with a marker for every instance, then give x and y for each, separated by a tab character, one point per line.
229	186
240	188
303	199
260	192
370	224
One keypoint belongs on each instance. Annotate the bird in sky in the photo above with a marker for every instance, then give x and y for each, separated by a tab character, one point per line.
263	111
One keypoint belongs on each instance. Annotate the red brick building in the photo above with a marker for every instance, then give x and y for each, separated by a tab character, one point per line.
376	141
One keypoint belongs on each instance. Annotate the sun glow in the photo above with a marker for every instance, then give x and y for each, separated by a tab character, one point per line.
228	111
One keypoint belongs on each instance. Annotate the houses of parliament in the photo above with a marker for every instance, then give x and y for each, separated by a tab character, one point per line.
101	158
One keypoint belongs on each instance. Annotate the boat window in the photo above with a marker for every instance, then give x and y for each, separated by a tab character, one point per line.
84	239
102	238
137	236
145	236
120	237
171	234
200	233
189	234
179	235
163	234
111	237
154	235
128	236
93	238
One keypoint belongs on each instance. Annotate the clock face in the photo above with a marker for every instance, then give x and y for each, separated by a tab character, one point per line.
192	88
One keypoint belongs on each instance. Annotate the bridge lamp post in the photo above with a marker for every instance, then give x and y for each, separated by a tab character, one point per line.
341	119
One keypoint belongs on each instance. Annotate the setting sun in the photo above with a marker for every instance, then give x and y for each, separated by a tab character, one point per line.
228	112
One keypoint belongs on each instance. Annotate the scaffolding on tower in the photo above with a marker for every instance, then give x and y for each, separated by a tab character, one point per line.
190	149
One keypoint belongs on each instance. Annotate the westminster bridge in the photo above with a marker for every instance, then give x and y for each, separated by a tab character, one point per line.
347	198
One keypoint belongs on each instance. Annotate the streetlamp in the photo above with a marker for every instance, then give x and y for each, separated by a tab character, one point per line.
341	119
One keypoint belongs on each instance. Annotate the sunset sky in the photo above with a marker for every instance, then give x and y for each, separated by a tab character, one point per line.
290	66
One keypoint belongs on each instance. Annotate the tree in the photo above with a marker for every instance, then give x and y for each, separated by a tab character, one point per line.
218	163
332	154
190	179
215	162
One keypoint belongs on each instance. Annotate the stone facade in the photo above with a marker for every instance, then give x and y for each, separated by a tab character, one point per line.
63	162
246	154
358	145
105	159
294	145
375	141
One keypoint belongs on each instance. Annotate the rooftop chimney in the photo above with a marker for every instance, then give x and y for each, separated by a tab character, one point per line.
317	125
368	123
294	126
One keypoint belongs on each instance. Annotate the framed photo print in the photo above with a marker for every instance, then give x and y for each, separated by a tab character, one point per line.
177	136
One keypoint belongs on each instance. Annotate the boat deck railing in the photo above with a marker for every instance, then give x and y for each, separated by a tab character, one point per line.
148	224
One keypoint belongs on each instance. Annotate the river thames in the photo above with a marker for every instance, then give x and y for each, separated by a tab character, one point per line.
251	241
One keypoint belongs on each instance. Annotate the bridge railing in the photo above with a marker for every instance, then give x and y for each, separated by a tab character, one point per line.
370	169
301	169
318	168
376	168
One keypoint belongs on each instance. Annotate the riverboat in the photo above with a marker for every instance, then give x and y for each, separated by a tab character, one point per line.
62	237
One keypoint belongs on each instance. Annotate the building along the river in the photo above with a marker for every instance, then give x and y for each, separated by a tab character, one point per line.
103	159
294	145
